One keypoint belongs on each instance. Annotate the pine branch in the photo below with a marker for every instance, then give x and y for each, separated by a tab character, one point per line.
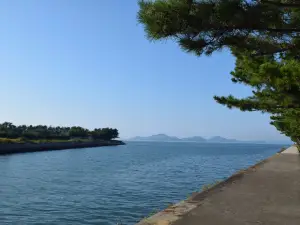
280	4
279	50
227	28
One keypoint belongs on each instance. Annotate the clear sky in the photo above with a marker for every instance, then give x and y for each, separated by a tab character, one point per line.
88	63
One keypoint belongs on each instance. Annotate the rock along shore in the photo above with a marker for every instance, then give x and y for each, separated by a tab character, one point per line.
33	147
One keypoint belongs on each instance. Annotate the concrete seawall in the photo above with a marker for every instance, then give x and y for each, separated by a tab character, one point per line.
265	194
32	147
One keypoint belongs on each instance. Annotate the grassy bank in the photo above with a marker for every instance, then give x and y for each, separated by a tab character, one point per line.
38	141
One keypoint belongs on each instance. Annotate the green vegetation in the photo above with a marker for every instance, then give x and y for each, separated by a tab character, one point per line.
37	141
264	36
9	133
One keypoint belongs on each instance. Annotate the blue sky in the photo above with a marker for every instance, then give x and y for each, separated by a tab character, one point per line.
88	63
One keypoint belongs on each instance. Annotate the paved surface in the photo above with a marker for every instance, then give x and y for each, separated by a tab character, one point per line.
267	194
291	150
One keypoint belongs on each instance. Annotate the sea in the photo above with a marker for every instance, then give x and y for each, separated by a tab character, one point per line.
114	185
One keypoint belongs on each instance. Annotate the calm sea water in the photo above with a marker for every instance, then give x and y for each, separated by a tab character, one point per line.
111	185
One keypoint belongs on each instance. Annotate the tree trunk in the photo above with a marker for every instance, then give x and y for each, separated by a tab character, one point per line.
298	144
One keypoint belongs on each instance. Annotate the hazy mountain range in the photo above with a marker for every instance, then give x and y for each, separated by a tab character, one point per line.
164	137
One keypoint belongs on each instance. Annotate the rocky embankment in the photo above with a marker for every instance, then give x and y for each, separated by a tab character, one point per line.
36	147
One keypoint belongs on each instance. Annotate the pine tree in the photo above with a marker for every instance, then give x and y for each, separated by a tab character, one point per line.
275	82
276	90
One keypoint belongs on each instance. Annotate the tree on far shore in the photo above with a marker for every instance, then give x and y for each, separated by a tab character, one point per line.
9	130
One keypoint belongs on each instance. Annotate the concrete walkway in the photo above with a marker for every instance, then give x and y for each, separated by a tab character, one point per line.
266	194
291	150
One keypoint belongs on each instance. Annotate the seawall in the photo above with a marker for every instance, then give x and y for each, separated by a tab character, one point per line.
266	193
32	147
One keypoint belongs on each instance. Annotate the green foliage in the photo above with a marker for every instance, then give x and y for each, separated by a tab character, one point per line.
105	134
10	132
275	83
78	132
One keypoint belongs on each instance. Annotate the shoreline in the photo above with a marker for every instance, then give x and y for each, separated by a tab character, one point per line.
252	188
15	148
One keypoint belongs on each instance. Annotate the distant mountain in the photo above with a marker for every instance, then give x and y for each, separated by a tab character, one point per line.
166	138
222	139
156	137
194	139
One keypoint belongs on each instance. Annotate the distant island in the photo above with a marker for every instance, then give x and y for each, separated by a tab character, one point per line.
166	138
23	138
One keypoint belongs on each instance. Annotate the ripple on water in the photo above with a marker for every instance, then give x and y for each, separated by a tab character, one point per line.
113	184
